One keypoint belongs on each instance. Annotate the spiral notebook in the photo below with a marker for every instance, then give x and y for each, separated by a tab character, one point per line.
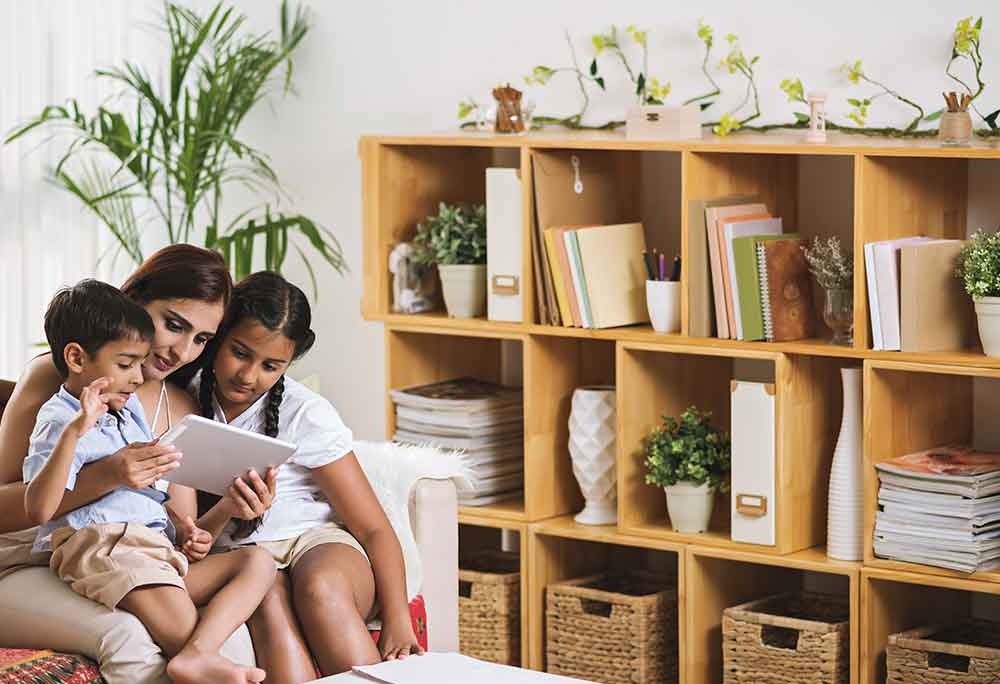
785	291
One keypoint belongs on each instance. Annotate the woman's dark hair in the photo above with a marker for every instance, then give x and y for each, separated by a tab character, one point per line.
181	271
279	306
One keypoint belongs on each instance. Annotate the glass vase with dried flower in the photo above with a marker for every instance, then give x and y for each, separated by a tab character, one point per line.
833	270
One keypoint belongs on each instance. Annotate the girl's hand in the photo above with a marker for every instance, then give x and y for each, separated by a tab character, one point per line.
249	501
93	405
195	542
397	640
140	464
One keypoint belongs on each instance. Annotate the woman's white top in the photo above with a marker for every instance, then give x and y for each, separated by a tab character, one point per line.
309	421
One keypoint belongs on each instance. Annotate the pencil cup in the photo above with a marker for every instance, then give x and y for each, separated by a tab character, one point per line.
663	301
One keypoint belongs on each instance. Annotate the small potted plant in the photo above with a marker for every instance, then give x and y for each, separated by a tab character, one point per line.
979	269
690	459
833	270
455	241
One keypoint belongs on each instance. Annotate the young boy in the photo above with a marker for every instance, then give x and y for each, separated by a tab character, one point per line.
119	549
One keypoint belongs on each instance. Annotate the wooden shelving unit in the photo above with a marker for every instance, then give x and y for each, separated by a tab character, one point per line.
860	189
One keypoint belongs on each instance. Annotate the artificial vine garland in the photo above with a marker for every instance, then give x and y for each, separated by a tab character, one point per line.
651	91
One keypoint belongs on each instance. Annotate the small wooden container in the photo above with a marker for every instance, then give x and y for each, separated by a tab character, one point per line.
956	129
964	653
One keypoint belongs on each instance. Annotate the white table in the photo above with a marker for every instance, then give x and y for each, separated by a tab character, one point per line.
448	668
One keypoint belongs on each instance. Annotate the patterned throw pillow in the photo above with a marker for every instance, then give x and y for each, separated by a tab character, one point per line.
25	666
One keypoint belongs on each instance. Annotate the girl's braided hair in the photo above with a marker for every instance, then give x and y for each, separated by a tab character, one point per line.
273	302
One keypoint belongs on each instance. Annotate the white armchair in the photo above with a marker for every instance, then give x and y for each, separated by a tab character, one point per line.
434	516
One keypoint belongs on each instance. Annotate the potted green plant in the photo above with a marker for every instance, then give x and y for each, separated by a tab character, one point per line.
691	460
833	270
455	241
979	269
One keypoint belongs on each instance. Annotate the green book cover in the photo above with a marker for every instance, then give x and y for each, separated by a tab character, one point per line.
748	279
576	265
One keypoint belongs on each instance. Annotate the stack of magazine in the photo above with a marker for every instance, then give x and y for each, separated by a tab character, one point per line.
940	507
482	420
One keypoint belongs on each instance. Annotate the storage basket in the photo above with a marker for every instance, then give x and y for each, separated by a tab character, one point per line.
794	638
489	606
967	652
617	628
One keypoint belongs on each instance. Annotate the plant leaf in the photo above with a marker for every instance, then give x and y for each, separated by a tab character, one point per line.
803	118
593	67
934	116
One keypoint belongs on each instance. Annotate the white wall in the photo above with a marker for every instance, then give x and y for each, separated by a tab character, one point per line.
387	67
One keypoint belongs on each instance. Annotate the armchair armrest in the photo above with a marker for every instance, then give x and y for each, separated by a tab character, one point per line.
434	517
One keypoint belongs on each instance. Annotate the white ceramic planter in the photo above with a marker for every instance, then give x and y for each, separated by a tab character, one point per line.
464	289
690	506
988	316
844	523
663	302
592	449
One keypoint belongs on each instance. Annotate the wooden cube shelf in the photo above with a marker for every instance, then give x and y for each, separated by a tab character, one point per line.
657	380
860	189
722	578
911	407
896	601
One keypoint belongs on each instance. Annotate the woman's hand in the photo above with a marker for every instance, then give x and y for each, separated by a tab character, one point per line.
397	640
195	543
140	464
249	501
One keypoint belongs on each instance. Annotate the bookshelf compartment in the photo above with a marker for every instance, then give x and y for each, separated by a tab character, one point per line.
911	407
554	368
715	581
403	185
417	357
625	186
661	380
893	602
812	194
555	559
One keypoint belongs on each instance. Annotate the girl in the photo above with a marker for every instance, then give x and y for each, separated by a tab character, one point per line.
185	289
325	522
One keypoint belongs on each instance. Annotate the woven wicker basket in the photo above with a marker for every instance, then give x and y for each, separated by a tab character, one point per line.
489	606
795	638
613	628
964	653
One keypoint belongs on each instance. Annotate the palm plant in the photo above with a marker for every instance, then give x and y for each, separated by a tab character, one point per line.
168	161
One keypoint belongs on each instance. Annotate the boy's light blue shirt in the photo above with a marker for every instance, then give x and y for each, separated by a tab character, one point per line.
123	505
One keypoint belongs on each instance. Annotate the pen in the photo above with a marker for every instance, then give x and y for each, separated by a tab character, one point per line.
663	267
675	271
648	264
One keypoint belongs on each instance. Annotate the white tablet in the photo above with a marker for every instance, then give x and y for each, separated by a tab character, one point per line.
215	453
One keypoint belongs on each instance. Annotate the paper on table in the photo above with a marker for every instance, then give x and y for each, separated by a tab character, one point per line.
453	668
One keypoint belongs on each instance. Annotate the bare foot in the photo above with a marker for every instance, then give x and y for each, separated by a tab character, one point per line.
192	667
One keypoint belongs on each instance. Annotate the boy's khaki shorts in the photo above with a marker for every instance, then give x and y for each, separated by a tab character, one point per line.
105	562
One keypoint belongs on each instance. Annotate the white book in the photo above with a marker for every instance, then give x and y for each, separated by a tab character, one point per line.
873	307
477	499
504	270
887	282
432	431
579	282
731	231
470	444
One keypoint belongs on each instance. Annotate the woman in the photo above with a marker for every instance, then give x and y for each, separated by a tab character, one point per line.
185	289
326	530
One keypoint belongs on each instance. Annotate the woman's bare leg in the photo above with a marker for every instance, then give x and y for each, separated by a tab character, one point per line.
333	590
278	640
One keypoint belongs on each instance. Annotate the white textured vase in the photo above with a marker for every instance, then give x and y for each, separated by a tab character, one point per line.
844	525
592	449
988	318
690	506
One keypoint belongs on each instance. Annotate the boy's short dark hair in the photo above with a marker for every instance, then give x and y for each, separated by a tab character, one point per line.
92	313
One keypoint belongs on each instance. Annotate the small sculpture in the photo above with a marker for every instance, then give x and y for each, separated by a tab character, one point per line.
817	119
509	117
413	285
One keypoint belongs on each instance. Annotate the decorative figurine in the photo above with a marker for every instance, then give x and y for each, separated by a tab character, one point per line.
817	119
413	285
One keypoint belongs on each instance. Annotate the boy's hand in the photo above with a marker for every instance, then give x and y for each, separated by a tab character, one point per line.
195	542
93	405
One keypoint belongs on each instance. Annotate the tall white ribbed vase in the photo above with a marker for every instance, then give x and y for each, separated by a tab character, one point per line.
844	526
592	449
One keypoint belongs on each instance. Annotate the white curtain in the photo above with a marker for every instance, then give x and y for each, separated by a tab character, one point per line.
49	50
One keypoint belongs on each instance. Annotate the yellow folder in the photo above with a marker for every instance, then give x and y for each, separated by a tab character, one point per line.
614	273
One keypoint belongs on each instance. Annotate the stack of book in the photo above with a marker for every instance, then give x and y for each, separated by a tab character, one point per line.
940	507
759	278
481	420
915	302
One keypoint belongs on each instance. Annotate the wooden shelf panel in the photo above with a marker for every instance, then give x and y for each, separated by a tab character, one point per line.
506	514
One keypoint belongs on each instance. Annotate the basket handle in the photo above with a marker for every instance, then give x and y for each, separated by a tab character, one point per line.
594	607
779	637
464	588
948	661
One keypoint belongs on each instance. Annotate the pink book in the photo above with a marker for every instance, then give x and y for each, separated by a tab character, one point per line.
712	228
729	287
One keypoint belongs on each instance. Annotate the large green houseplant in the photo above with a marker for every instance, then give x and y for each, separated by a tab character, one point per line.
166	158
691	459
455	241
